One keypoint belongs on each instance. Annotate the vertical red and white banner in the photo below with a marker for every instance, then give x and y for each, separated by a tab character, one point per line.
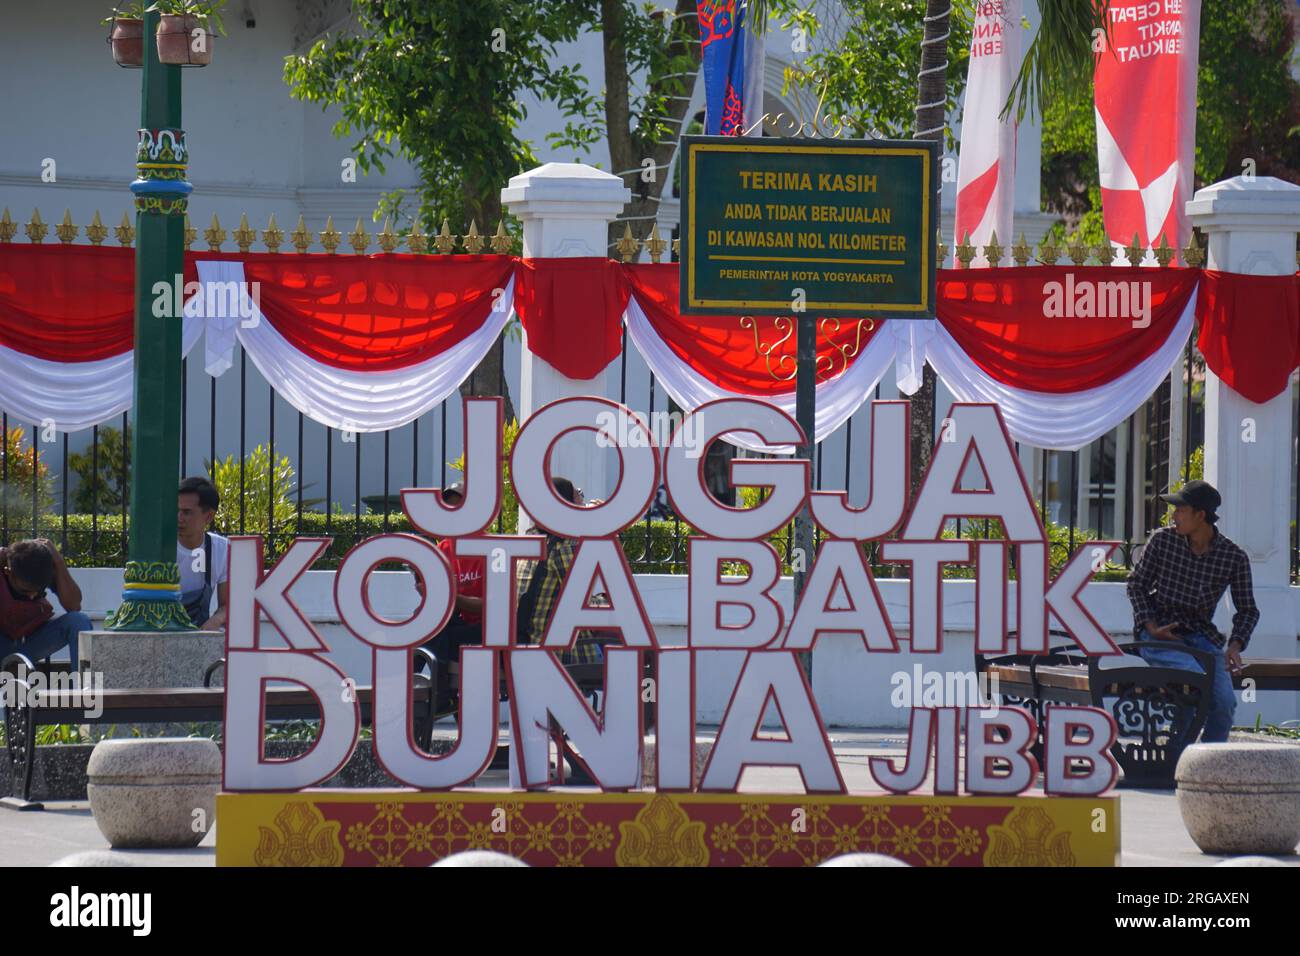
986	173
1145	98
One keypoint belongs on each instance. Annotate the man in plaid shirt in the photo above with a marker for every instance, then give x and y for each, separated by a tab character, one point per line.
554	568
1175	587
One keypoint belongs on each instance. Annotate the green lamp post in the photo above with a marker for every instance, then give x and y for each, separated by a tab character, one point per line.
151	598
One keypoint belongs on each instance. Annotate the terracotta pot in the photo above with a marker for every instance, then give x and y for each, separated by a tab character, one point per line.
177	40
128	42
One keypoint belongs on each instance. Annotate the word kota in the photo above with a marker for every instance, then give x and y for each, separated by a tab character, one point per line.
839	596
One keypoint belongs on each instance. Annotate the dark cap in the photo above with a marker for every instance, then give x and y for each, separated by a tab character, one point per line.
1200	495
456	488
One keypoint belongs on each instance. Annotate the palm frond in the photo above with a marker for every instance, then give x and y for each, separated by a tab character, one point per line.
1061	56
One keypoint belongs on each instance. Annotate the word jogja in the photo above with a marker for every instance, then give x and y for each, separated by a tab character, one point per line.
839	596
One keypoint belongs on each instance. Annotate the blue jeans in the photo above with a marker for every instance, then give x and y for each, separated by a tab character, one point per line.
53	635
1223	701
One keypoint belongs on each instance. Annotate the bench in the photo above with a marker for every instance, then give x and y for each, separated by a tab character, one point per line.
1159	710
41	708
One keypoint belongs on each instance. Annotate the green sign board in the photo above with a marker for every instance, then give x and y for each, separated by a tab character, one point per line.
831	227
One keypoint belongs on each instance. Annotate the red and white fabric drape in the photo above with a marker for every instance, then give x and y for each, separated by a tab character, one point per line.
369	343
361	344
67	318
1067	354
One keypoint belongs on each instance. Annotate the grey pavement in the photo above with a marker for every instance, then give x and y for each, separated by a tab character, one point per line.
1151	828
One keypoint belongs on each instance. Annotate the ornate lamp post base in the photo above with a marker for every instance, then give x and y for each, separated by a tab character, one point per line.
151	599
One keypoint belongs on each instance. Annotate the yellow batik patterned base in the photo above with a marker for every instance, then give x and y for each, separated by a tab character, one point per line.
644	828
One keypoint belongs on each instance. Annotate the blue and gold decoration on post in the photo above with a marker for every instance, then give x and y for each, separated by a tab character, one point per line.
151	599
161	158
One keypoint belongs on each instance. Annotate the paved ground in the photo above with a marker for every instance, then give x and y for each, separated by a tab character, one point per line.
1152	831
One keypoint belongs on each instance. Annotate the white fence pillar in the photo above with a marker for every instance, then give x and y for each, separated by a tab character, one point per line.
566	209
1251	226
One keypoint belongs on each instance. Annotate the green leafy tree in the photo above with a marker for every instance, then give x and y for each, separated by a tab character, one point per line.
441	84
104	477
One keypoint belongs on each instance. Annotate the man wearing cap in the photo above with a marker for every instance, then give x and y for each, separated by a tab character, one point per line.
1175	587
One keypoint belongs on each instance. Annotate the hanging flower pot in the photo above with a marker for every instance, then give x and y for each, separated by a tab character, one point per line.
183	41
127	41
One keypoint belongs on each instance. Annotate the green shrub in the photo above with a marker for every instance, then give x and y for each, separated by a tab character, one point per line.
20	475
103	478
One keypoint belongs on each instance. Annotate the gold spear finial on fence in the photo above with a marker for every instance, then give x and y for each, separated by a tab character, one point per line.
388	239
1078	250
300	237
940	248
1193	255
472	240
35	229
125	232
214	235
1021	252
359	239
656	244
1048	252
1164	253
66	231
96	232
244	236
8	228
628	247
330	237
1104	252
1135	252
993	252
190	233
272	235
444	241
501	241
965	252
677	247
416	240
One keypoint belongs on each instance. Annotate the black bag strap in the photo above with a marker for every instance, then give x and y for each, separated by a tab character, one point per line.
207	559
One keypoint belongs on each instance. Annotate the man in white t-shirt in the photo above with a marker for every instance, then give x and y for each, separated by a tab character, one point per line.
203	557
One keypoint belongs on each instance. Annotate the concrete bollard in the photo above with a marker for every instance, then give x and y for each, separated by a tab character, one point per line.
154	792
1240	798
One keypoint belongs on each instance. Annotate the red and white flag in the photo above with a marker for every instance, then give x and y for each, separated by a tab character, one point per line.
986	174
1145	98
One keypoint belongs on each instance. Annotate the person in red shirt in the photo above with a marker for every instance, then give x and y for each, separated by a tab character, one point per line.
466	623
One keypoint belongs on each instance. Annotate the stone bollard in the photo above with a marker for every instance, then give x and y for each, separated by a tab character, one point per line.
862	859
154	792
479	858
1240	798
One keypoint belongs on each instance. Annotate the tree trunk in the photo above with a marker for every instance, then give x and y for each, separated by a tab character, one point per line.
627	151
931	100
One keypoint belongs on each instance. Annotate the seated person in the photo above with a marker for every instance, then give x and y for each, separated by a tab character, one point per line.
466	623
27	622
538	590
202	555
